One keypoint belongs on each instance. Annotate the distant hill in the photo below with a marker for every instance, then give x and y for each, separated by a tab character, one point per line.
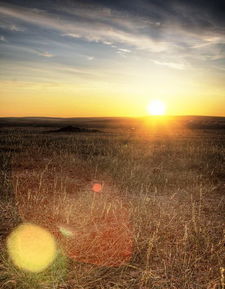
86	124
73	129
207	124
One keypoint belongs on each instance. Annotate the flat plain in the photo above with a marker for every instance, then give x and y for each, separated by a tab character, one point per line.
161	183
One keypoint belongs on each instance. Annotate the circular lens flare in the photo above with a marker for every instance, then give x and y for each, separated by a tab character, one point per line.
31	248
97	188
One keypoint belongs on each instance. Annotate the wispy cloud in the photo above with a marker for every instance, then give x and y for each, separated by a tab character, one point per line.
96	31
124	50
73	35
2	38
174	65
44	53
160	30
14	27
11	27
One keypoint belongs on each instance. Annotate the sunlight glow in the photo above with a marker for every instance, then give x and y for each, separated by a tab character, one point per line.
31	248
156	107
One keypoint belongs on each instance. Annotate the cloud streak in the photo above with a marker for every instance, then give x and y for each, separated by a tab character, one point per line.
171	33
158	28
2	38
91	26
179	66
45	54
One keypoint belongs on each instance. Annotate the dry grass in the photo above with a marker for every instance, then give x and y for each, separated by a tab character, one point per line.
169	188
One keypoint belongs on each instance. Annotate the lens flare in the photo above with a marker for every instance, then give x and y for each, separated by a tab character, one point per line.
97	188
89	226
105	240
67	232
31	248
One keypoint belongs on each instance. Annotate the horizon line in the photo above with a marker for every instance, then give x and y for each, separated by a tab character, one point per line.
143	116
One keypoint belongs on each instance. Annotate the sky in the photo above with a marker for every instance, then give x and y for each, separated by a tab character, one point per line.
71	58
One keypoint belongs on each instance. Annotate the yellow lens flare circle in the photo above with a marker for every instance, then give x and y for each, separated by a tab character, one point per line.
156	107
31	248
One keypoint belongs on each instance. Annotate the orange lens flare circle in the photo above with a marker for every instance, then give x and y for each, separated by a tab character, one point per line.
97	188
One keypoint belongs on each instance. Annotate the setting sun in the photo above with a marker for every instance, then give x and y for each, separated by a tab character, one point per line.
157	107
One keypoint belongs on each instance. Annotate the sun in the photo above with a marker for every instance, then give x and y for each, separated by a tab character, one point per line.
156	107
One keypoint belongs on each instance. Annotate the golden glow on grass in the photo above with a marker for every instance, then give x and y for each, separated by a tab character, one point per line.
31	248
157	107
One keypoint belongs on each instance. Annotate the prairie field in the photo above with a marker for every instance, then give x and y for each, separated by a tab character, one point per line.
129	205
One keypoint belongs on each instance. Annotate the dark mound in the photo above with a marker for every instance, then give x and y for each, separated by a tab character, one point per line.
75	129
206	125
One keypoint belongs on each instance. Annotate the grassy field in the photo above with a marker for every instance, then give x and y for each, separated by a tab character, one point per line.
162	191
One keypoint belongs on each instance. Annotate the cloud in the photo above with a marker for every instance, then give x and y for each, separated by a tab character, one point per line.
45	54
16	28
2	38
11	27
73	35
169	28
174	65
124	50
107	42
91	30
